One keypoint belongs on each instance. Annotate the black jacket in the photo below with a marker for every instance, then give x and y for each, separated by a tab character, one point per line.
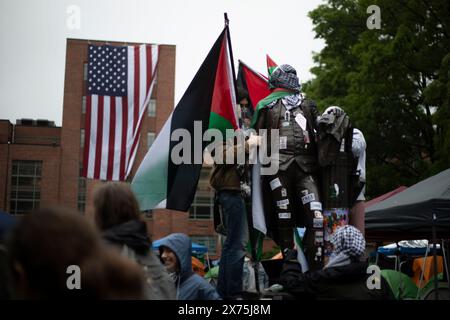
131	237
270	120
307	163
343	283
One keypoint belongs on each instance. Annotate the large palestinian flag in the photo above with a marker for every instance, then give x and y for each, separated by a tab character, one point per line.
210	98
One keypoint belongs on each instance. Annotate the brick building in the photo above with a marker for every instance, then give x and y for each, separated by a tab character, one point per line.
30	154
40	163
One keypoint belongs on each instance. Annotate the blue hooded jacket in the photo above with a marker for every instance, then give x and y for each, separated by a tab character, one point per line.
190	286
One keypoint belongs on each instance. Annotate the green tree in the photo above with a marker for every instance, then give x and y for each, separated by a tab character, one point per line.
394	82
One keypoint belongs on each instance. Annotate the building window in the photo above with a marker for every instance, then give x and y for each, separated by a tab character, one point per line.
81	198
150	139
203	204
209	241
85	71
202	208
83	105
82	138
152	108
25	186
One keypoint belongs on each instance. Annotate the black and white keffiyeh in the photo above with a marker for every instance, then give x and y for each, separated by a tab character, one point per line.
292	101
284	76
348	242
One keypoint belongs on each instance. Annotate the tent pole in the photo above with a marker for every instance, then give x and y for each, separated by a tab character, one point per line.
207	259
433	226
423	270
445	254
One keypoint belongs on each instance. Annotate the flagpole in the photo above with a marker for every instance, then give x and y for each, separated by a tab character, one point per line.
254	71
231	53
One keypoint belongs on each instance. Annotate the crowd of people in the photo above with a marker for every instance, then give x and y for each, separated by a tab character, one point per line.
113	252
116	261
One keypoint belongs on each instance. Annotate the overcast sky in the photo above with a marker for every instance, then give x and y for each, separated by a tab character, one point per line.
33	40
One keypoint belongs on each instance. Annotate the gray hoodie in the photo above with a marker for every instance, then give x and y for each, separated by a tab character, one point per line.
190	286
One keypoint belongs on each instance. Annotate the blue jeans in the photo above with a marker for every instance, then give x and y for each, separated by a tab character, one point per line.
233	250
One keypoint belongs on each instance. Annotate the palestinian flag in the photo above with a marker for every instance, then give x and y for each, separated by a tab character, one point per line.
210	98
274	95
271	65
254	82
300	249
257	87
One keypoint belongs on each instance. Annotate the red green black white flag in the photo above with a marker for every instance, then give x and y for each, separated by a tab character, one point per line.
210	99
271	65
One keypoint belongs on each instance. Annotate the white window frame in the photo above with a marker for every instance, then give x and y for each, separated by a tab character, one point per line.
151	108
82	138
151	136
83	105
85	71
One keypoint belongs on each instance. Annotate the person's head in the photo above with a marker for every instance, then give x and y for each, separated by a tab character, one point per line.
45	243
284	77
246	110
242	96
348	240
175	253
114	204
170	260
329	117
334	110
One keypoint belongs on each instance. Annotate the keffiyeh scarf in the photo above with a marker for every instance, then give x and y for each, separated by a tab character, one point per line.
284	76
348	242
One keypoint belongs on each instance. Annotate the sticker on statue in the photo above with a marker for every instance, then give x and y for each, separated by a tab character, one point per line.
284	215
308	198
275	183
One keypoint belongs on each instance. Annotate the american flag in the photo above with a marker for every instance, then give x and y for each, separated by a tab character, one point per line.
119	85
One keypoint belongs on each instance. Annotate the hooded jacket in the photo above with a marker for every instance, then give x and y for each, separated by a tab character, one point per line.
131	237
189	285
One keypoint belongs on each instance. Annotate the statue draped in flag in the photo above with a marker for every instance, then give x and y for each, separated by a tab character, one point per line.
294	188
